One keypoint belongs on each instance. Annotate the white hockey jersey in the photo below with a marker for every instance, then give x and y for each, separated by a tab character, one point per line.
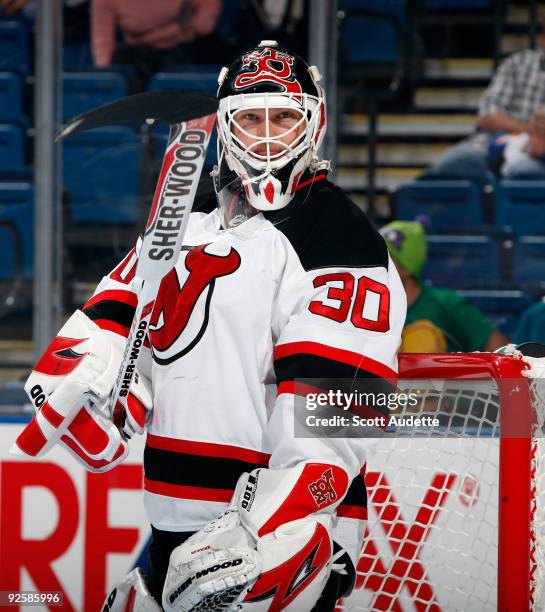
247	311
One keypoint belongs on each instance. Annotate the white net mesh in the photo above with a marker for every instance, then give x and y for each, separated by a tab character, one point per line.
432	537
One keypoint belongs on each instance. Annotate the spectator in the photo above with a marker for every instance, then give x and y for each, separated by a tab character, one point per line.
509	106
11	7
282	20
524	154
531	326
156	34
437	320
76	21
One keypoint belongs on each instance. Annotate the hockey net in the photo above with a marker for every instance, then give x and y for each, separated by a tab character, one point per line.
456	519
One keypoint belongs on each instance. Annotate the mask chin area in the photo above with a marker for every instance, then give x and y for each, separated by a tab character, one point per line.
275	190
233	203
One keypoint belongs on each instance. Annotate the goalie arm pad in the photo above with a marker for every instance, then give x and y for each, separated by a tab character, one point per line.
70	387
268	498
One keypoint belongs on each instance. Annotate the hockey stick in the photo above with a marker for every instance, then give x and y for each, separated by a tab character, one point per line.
166	106
182	165
172	202
174	194
168	218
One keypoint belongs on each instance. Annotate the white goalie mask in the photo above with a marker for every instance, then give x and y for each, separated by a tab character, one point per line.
271	121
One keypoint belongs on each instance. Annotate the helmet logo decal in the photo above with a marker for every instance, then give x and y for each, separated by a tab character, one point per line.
268	66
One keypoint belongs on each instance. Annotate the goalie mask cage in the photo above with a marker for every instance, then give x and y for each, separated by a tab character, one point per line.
456	520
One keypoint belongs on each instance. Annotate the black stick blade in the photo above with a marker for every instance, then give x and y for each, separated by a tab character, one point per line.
165	106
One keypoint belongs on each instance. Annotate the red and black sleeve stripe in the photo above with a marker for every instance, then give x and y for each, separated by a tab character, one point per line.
113	310
354	505
312	366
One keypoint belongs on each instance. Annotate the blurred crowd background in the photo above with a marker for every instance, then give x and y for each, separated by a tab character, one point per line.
438	133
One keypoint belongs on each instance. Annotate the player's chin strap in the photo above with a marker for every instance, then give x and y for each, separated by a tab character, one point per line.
271	550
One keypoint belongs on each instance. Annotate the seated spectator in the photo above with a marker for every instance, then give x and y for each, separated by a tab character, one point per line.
156	34
531	326
282	20
11	7
510	105
438	320
524	154
76	21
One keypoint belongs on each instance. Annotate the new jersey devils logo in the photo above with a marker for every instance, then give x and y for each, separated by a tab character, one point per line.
269	66
175	305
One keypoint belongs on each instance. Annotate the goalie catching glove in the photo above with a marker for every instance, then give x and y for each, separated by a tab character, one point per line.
271	550
70	388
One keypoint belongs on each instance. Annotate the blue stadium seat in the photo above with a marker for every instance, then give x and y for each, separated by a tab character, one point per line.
17	175
83	91
461	262
11	250
204	82
451	205
503	308
14	46
394	7
457	4
11	96
12	140
17	212
368	38
102	176
529	261
77	56
520	205
531	327
227	24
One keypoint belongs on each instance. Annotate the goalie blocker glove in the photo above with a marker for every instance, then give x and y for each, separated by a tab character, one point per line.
271	550
70	387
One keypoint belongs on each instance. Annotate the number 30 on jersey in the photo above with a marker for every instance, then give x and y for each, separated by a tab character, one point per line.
364	300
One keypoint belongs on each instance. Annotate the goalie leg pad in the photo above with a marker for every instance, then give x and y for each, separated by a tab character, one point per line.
296	563
130	594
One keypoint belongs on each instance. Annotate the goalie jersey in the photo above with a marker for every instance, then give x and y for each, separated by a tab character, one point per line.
306	292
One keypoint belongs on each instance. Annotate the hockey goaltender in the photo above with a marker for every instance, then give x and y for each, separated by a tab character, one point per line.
285	279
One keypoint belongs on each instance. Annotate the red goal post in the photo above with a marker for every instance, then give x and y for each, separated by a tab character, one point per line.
456	518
